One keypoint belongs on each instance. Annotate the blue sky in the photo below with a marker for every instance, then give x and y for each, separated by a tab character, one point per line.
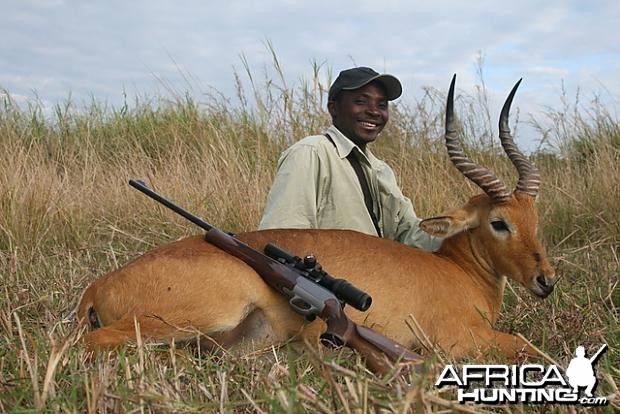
102	49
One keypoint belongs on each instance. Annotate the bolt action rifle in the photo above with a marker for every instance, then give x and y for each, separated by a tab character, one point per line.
312	292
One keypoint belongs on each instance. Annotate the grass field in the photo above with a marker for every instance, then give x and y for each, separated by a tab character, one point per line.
67	216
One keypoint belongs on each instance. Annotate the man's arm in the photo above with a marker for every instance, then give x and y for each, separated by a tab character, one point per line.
400	220
293	199
409	231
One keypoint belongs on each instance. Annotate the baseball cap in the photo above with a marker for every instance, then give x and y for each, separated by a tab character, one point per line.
355	78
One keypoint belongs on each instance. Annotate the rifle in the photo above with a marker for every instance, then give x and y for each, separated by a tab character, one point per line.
598	353
305	285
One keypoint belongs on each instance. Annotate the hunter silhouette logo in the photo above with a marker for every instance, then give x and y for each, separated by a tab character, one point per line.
530	383
580	371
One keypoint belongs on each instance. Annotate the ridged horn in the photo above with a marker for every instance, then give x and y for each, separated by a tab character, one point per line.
480	176
529	179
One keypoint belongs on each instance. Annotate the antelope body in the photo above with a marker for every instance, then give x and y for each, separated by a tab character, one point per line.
189	288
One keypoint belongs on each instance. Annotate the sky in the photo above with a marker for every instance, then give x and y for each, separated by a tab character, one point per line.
109	50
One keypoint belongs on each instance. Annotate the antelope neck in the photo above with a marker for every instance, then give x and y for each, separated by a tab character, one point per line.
463	249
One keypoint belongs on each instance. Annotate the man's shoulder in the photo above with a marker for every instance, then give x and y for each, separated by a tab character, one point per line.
378	164
312	143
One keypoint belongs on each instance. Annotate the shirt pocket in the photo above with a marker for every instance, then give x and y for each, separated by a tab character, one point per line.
390	212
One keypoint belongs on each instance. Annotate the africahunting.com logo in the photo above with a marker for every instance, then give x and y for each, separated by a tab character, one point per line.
530	384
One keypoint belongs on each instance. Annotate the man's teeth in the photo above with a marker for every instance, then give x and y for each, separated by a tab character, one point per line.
368	124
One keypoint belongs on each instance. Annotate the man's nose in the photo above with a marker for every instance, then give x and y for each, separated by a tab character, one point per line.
373	109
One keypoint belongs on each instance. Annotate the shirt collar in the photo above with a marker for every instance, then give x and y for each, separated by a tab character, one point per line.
344	146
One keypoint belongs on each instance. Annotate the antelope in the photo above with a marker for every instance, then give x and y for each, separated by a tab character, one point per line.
190	289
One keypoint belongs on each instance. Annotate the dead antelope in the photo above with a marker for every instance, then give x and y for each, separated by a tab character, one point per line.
455	295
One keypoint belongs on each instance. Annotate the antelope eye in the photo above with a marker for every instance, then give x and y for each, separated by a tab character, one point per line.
499	225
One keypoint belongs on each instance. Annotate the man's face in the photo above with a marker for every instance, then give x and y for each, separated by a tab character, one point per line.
360	114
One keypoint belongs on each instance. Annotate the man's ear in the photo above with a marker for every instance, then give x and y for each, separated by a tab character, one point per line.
331	107
451	223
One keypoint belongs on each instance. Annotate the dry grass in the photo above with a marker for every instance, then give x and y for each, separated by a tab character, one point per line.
67	216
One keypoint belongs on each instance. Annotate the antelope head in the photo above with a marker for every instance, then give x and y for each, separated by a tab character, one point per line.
496	232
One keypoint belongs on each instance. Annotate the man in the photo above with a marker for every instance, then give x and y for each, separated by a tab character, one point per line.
333	181
580	372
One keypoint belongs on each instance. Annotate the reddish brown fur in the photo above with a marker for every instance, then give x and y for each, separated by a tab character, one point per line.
455	295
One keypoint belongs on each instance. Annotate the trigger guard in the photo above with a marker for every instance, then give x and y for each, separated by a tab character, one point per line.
302	307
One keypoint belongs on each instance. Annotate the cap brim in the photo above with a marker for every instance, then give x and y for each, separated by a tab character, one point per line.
393	88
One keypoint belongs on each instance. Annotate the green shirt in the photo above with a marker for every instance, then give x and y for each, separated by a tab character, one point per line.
316	187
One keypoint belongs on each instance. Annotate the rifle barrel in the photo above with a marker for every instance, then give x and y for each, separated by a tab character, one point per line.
141	186
598	353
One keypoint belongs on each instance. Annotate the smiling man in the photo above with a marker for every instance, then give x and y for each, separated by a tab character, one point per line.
332	181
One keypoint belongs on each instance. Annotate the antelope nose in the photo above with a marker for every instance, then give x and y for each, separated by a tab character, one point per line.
545	283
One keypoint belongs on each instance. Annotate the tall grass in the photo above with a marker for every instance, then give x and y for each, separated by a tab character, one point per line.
67	217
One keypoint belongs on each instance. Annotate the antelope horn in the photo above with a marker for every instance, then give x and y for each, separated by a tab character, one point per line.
529	179
480	176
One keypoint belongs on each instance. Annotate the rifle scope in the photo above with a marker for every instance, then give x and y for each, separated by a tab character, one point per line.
344	290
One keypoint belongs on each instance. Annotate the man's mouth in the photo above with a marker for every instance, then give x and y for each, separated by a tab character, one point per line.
369	125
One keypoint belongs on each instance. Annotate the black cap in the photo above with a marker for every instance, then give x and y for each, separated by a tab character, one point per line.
355	78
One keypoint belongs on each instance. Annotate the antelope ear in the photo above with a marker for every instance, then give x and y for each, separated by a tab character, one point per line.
450	224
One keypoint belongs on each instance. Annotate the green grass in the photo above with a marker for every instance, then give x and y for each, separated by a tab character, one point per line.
67	216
